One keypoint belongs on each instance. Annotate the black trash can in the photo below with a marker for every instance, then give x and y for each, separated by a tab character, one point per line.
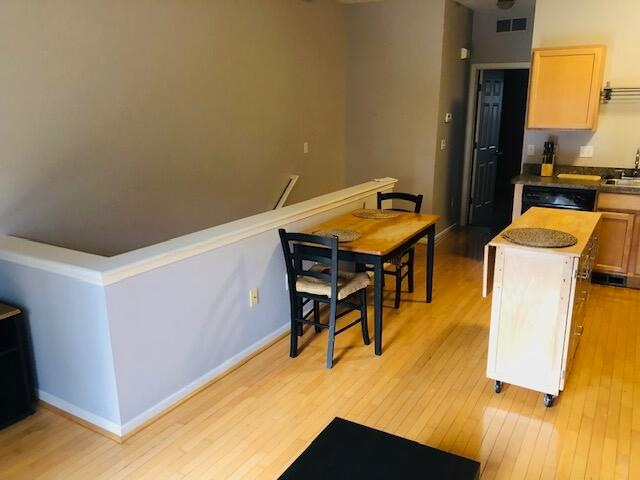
17	389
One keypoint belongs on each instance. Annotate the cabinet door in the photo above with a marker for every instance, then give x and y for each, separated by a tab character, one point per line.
616	233
634	261
565	87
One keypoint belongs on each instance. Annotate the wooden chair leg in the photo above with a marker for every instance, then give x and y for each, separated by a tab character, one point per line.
332	333
398	287
293	349
299	314
316	315
410	273
363	316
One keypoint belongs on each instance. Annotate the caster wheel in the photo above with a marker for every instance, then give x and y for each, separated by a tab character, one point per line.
498	386
548	400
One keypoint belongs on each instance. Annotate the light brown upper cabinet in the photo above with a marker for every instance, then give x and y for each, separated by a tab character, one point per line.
565	85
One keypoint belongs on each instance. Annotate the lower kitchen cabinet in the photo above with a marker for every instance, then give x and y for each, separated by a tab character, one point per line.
619	245
616	234
539	299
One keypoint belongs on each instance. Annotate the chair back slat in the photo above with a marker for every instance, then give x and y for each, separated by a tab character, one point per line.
301	247
415	199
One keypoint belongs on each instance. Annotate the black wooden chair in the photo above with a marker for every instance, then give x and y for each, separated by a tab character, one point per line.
402	266
321	283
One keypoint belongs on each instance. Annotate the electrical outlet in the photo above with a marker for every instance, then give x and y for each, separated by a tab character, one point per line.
443	144
305	147
448	117
531	150
586	151
253	297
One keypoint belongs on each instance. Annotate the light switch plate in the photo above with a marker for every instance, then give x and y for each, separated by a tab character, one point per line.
531	150
448	117
586	151
443	144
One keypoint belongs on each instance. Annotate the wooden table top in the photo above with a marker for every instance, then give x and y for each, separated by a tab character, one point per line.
579	224
379	236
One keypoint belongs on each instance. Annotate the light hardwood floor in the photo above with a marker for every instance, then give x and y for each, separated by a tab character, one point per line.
429	385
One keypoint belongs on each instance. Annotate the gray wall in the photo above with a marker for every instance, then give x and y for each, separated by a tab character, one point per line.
175	324
616	26
454	84
394	58
504	47
127	123
71	338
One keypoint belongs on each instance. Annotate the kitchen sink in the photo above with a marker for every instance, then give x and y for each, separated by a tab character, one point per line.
623	182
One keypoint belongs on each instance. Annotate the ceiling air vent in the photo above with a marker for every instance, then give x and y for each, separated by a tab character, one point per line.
518	24
503	26
511	25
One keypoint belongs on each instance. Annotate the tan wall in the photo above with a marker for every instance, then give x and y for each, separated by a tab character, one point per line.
393	79
124	123
454	85
615	24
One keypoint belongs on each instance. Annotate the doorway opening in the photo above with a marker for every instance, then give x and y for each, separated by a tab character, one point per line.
495	153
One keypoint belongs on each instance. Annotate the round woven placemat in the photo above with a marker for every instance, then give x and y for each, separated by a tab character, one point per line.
540	237
343	235
374	214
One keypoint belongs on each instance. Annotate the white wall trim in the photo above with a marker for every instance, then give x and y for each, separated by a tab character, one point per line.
137	262
107	270
471	114
176	397
81	413
168	402
440	235
293	179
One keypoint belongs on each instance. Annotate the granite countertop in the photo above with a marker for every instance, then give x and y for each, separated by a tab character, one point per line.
529	178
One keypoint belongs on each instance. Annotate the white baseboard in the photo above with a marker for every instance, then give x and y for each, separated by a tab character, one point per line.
176	397
81	413
121	430
440	236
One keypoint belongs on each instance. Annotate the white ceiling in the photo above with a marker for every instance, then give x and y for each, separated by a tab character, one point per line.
491	4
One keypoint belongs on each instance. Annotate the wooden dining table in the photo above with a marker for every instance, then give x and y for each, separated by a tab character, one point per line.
382	240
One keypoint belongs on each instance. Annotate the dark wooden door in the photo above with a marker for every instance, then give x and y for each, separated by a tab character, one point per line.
487	148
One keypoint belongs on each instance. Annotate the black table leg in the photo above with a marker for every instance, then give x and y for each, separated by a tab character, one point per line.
377	304
431	242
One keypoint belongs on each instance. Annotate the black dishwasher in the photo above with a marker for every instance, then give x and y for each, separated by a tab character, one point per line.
558	197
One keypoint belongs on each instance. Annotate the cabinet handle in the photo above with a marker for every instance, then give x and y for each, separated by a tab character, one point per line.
579	330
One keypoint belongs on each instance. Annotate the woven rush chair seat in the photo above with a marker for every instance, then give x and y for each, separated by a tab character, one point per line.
404	268
400	267
325	283
348	283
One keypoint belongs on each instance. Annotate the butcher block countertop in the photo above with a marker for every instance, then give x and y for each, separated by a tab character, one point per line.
579	224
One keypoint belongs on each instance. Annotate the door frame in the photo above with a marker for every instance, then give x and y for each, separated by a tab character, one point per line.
472	101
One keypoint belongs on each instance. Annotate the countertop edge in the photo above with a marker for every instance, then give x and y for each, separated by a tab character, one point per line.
526	179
